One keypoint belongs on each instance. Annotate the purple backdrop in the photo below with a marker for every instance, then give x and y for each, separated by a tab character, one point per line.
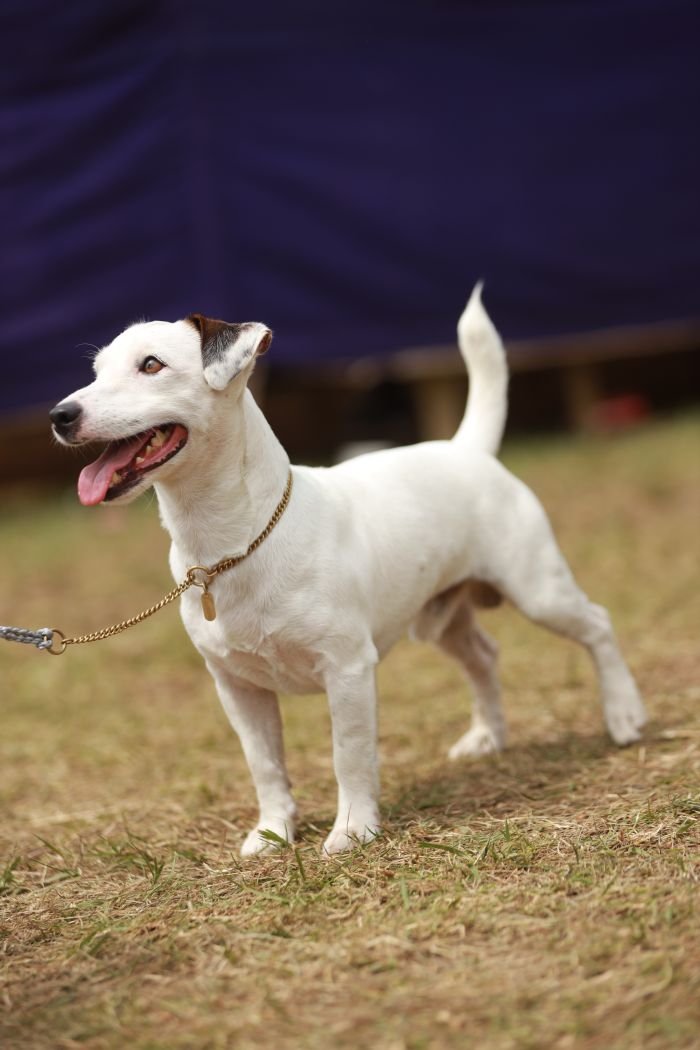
343	171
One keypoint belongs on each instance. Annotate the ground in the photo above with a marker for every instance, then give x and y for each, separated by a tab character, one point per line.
546	897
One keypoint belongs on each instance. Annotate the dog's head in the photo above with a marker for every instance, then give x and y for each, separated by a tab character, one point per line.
156	386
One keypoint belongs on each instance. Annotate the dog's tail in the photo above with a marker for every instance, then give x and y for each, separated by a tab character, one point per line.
484	356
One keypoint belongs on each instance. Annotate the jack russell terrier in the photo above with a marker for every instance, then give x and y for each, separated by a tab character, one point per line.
354	556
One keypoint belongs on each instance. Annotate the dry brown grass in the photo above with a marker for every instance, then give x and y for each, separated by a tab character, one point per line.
547	897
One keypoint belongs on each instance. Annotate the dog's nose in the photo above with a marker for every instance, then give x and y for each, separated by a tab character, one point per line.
65	414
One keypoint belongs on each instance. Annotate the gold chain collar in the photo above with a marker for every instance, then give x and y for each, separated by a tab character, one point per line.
197	576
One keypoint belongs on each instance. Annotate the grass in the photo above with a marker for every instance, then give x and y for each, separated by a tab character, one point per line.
546	897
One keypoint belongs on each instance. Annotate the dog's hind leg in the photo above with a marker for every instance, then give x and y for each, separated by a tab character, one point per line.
448	621
567	611
255	715
539	583
477	653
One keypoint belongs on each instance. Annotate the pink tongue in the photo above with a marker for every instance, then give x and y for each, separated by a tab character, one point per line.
94	479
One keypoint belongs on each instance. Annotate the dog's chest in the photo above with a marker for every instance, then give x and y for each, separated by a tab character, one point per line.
239	640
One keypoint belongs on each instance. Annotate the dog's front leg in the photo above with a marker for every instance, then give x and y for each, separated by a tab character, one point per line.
353	707
255	715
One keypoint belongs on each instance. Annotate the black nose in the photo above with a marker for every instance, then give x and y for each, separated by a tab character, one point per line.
65	414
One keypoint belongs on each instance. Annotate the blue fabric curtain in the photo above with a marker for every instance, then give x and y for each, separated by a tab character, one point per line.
343	172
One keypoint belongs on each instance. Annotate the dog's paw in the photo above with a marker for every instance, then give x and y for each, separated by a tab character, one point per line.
348	836
266	837
479	740
625	718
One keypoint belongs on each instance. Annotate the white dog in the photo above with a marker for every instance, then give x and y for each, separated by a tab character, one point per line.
405	539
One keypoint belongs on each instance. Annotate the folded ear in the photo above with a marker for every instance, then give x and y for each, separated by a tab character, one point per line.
228	349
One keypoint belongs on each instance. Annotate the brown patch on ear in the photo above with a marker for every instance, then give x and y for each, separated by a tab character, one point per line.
229	349
216	336
212	330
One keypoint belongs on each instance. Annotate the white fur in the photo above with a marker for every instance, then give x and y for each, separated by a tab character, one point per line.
365	551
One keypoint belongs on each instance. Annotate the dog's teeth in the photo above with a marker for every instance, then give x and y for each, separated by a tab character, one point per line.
157	439
139	460
115	479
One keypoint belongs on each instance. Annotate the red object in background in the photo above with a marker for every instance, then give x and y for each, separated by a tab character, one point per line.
619	413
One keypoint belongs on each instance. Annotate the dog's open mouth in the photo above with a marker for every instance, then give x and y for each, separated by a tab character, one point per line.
123	463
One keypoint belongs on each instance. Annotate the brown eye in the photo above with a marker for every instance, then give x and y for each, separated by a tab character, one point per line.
151	365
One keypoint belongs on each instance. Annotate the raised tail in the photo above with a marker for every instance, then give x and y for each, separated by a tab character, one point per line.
484	356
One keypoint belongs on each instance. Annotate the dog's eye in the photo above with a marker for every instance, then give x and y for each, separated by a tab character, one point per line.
151	365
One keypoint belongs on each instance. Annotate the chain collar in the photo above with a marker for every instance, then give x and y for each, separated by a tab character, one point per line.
54	642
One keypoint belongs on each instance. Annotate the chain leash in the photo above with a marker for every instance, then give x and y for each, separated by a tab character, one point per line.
53	641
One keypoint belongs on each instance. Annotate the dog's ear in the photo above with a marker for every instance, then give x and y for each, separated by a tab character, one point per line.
229	349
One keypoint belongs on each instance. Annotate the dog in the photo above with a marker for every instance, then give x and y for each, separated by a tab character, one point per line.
412	539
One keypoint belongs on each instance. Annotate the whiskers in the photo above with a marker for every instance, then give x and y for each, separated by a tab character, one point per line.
92	350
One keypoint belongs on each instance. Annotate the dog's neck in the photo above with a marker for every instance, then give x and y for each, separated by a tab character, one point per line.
230	490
